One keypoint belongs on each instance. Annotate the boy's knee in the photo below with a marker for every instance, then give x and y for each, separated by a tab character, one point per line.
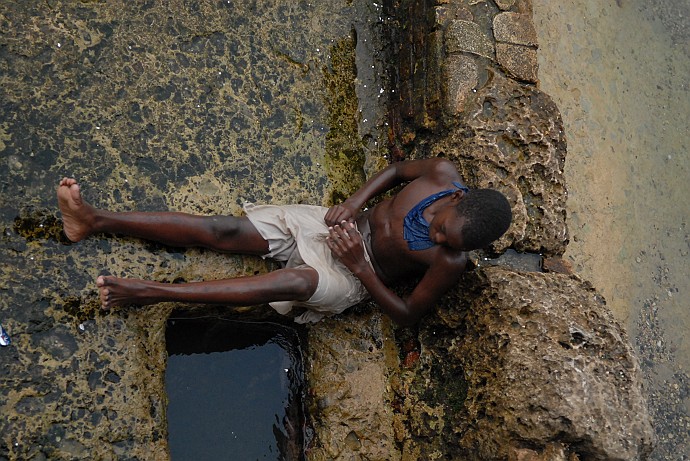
303	282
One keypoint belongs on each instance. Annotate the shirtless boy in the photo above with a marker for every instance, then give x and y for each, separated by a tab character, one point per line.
333	258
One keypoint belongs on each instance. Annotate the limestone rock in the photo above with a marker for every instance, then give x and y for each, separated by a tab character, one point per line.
510	137
348	381
515	28
552	333
469	37
519	61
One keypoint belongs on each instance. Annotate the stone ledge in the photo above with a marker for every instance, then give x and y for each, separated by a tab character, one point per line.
546	368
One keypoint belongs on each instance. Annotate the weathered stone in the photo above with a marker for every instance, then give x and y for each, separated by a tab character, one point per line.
461	75
510	137
504	4
515	28
589	381
469	37
518	60
549	374
559	265
349	366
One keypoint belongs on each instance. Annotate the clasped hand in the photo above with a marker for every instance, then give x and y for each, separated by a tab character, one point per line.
345	242
339	213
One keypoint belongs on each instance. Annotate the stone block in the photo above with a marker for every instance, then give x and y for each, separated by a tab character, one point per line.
545	361
504	4
519	61
510	137
461	75
469	37
349	387
515	28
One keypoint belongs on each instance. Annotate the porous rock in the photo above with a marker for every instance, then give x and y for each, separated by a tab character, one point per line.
510	137
350	396
546	361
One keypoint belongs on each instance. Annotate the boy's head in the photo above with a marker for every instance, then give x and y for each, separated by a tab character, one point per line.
487	216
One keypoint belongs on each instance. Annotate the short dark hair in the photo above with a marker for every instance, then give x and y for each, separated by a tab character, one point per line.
487	216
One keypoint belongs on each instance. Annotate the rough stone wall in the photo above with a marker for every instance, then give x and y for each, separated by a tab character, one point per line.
513	365
78	384
467	74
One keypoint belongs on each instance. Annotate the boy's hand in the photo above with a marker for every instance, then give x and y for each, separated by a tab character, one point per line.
339	213
345	242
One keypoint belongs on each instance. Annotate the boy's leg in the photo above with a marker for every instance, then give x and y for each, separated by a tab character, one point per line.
220	233
297	284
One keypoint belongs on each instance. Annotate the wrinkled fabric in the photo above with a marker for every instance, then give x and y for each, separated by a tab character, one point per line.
296	236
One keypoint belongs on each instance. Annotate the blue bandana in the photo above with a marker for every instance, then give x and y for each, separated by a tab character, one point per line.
416	228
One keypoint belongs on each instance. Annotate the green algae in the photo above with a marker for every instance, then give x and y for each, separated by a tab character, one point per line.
345	157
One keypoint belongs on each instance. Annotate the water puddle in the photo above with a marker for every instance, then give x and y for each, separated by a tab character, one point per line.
234	387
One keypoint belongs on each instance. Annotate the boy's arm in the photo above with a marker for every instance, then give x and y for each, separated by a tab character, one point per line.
438	279
386	179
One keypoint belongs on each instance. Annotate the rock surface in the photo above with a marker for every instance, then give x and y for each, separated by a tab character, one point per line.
195	133
510	137
543	362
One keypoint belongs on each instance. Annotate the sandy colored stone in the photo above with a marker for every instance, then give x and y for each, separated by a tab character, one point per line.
504	4
528	366
510	137
348	379
515	28
469	37
553	333
460	73
519	61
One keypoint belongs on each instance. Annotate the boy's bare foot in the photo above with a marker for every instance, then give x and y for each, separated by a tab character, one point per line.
116	291
77	215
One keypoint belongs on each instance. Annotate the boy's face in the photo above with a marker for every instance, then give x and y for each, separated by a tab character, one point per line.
446	228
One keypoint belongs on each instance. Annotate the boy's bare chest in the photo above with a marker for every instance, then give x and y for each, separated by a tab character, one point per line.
390	250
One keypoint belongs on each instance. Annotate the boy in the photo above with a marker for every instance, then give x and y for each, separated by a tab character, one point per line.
333	258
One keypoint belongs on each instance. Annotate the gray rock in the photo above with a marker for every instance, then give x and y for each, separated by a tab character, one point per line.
546	361
469	37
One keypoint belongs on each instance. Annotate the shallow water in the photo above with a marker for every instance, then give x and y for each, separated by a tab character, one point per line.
233	387
618	71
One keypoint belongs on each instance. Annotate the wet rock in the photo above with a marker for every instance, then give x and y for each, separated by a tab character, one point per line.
349	371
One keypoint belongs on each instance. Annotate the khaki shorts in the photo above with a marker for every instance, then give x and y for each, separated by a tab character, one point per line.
296	236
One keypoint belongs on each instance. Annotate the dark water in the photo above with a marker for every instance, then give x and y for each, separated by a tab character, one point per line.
234	390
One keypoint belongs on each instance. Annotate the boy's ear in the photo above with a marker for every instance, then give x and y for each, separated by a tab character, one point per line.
457	195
